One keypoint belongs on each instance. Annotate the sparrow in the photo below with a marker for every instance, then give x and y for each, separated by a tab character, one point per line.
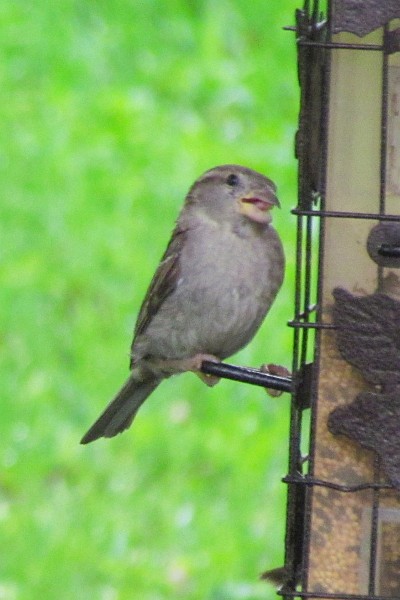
215	283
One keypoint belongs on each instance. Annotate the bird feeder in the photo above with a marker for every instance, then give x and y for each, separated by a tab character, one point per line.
343	523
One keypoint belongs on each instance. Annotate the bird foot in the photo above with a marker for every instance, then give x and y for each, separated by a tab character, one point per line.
197	361
278	370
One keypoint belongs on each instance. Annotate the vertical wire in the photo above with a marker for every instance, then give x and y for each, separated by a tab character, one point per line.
320	274
382	196
373	551
383	152
321	233
295	418
297	293
384	120
307	288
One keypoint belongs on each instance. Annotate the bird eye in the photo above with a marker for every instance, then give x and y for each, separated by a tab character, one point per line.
232	179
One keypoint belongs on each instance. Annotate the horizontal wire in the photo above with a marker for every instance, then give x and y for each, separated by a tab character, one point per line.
311	481
331	596
344	215
339	45
302	325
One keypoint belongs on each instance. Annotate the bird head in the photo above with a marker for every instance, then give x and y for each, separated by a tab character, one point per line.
231	191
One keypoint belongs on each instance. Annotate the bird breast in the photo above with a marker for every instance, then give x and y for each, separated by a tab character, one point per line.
227	284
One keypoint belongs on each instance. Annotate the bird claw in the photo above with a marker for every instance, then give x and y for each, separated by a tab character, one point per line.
278	370
209	380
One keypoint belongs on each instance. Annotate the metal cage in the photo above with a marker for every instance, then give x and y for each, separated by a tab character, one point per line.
317	30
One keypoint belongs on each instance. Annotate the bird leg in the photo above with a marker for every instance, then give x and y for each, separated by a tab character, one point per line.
181	365
278	370
209	380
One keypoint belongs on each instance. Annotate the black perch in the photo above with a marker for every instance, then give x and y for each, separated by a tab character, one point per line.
247	375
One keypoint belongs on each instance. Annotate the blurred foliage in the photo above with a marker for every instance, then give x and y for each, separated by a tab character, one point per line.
109	111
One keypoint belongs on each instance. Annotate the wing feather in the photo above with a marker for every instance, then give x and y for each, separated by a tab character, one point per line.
163	283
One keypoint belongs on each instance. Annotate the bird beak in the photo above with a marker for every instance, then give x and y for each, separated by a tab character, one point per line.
257	205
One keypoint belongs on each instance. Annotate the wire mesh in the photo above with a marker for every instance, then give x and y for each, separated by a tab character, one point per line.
316	43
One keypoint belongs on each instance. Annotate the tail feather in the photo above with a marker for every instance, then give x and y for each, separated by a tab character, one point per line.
121	411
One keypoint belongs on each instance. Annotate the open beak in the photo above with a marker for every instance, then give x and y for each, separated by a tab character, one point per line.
256	206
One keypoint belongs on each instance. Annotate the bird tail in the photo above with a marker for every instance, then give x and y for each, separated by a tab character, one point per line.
121	411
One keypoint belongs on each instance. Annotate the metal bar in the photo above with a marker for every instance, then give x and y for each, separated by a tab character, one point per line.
302	325
373	550
295	416
340	596
384	126
345	215
307	288
309	481
247	375
383	149
340	45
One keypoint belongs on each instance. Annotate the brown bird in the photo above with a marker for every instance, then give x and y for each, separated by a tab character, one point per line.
216	282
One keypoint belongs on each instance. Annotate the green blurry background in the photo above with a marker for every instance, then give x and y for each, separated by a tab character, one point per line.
108	112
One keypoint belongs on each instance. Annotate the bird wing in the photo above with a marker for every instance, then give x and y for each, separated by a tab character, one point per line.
164	281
